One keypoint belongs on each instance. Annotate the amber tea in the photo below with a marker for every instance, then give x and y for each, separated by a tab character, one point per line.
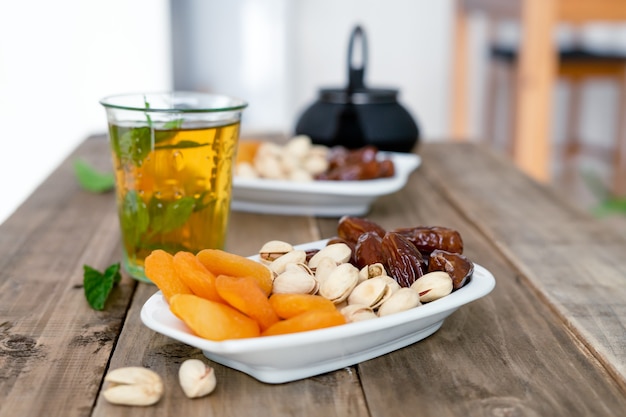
173	187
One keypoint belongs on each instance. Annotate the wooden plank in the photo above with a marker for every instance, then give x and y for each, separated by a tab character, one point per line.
483	359
53	346
527	348
573	262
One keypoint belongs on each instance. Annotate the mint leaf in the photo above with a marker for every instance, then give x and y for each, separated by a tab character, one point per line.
173	124
134	218
134	144
167	216
92	180
182	145
98	285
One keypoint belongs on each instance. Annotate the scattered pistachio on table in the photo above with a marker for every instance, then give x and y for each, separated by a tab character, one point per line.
196	378
133	385
139	386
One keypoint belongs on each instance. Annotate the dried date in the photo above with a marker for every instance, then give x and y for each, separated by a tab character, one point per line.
430	238
351	228
402	259
356	165
368	249
456	265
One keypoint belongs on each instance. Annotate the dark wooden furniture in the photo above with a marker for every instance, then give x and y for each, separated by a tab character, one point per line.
550	339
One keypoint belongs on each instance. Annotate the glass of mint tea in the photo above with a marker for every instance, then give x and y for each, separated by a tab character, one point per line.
173	156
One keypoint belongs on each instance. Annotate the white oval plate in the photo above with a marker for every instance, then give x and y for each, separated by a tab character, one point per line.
284	358
320	198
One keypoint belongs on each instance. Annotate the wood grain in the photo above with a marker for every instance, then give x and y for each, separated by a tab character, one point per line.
574	263
53	347
549	340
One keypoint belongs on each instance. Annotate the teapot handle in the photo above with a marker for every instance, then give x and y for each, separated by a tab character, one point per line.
356	74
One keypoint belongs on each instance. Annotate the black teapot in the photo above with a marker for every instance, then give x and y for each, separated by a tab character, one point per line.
357	116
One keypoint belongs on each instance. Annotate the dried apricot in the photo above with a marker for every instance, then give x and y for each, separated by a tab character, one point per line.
159	268
211	320
246	151
290	305
309	320
245	295
199	279
220	262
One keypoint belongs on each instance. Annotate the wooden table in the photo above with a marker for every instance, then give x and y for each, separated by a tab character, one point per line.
550	340
537	67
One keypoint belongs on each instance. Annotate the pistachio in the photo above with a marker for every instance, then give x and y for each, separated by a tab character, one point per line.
298	146
392	283
315	164
269	167
296	279
298	174
338	252
245	170
196	378
339	283
371	271
274	249
324	267
293	257
133	385
401	300
357	312
433	285
370	293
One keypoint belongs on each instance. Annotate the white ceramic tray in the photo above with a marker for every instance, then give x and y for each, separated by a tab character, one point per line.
320	198
284	358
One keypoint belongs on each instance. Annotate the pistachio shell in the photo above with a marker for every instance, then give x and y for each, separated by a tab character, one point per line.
296	279
196	378
298	146
371	292
393	284
401	300
340	283
133	385
371	271
245	170
315	164
274	249
269	167
357	312
324	267
338	252
293	257
433	285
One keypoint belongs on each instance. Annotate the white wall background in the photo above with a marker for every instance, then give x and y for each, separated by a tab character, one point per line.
278	53
58	58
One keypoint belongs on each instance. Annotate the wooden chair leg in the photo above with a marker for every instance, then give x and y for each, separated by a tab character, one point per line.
572	146
512	124
491	109
619	156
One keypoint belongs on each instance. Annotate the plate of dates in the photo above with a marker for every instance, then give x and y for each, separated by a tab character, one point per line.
288	357
321	197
